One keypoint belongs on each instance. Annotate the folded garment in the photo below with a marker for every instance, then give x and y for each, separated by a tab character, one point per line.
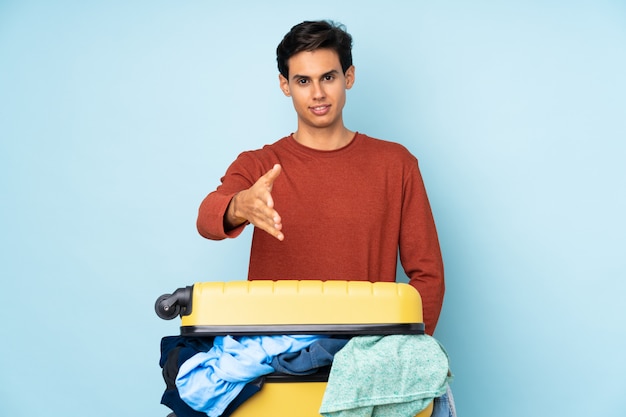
386	376
175	350
210	381
197	344
307	361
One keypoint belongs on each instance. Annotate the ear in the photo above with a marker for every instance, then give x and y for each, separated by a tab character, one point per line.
284	85
350	77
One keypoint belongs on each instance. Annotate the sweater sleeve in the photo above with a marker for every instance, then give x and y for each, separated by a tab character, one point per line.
241	175
420	253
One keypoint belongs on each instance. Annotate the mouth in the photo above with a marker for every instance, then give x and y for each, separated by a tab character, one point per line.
320	110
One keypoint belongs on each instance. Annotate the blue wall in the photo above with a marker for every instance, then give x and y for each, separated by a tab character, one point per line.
116	118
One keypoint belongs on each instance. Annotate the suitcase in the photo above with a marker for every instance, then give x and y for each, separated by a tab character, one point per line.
340	308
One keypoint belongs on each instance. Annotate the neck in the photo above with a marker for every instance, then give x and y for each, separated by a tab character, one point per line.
323	139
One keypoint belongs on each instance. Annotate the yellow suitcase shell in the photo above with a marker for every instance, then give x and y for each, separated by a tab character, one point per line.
295	307
295	399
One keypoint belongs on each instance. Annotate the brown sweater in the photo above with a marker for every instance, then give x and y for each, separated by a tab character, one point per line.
346	213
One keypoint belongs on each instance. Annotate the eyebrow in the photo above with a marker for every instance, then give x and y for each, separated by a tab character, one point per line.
298	76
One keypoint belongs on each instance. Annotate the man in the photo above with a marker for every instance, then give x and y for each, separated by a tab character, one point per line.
326	202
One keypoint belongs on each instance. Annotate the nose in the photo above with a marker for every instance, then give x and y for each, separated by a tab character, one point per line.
318	91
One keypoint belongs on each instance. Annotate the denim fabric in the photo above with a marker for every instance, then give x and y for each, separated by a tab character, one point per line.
444	405
309	360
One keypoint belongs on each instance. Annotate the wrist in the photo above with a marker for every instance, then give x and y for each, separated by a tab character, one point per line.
232	218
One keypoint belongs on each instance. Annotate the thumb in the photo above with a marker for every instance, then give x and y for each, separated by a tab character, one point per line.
272	174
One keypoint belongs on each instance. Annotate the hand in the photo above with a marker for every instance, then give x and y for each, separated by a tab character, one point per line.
256	206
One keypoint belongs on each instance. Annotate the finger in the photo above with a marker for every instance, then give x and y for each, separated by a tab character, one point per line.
270	227
262	213
278	227
270	221
273	221
270	201
272	174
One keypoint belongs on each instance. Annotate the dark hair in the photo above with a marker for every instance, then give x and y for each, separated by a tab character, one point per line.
312	35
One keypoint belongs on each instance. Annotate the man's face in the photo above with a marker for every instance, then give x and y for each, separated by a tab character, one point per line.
317	86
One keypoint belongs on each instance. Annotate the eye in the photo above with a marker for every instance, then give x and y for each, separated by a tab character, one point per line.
328	77
303	81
